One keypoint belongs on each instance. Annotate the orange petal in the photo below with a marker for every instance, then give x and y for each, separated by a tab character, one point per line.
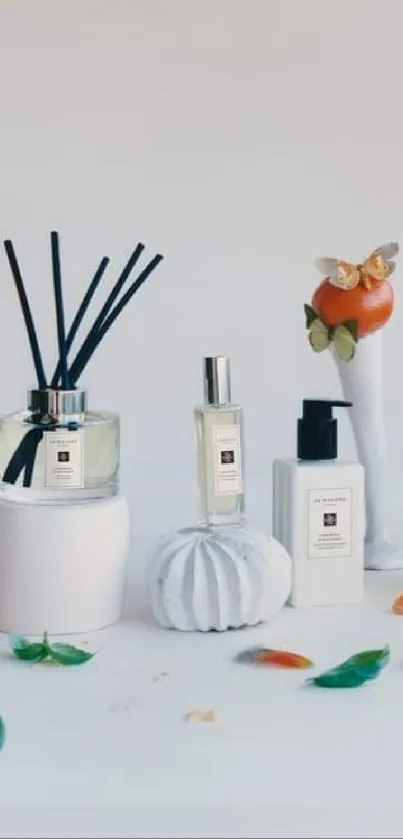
397	607
282	658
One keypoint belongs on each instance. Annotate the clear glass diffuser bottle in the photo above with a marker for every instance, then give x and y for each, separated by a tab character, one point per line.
59	452
219	429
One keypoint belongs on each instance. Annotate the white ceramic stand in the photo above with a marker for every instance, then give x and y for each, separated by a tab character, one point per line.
362	383
217	578
62	568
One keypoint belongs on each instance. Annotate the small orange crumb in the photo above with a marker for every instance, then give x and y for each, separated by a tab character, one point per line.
197	715
397	607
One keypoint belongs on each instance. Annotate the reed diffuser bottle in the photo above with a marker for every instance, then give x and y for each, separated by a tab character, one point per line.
219	429
77	456
57	450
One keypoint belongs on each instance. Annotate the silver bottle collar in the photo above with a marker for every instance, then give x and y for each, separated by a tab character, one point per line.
57	403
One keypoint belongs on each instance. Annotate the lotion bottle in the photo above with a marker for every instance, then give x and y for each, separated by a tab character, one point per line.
319	512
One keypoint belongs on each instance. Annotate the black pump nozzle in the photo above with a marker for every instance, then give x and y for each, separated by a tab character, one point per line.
317	429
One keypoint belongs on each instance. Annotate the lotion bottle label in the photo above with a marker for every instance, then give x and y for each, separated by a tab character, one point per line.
330	523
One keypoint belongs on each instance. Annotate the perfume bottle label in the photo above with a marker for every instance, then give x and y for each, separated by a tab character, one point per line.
330	523
64	459
227	459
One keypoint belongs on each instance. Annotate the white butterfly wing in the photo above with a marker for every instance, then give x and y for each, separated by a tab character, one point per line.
328	267
388	251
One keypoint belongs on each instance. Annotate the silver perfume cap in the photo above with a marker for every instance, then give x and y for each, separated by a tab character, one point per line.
217	383
57	403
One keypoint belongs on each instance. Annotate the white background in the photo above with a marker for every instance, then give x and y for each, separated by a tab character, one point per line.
240	138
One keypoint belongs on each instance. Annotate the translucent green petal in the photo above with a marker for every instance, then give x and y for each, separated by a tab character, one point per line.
318	336
67	654
344	343
26	651
354	671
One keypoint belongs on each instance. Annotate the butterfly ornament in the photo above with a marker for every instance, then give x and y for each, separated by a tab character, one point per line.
347	276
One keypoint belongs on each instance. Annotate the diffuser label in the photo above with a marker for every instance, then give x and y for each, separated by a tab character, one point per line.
330	523
227	459
64	459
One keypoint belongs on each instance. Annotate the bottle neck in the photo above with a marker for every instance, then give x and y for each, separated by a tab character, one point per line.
57	406
216	404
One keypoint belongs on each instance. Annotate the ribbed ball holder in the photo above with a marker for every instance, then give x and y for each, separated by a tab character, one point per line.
62	567
216	579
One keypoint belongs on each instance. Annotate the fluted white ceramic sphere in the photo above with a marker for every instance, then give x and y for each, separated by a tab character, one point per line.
205	579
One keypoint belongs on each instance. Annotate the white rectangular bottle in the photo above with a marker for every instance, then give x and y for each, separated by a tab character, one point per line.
219	429
319	513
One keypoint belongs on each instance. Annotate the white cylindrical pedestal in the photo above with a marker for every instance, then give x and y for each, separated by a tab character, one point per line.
362	383
62	567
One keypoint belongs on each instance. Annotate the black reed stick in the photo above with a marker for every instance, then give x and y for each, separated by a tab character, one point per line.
81	312
57	285
108	304
90	345
26	311
117	287
20	457
34	440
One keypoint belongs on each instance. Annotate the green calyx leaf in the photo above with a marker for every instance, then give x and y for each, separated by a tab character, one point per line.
67	654
39	651
355	671
310	315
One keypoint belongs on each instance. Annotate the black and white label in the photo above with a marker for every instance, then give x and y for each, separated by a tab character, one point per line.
329	523
64	459
227	459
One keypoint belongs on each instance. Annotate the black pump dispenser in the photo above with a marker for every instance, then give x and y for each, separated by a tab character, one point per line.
317	429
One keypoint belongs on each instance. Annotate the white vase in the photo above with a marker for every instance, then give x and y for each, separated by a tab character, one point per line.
62	567
217	579
362	384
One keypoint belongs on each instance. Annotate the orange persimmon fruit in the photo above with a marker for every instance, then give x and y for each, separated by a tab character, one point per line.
371	307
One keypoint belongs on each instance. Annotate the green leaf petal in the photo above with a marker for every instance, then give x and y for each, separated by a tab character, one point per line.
344	343
352	326
356	670
310	315
67	654
369	662
26	651
2	733
339	677
319	335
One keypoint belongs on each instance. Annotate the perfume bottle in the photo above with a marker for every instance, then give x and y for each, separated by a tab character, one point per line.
57	451
319	512
219	430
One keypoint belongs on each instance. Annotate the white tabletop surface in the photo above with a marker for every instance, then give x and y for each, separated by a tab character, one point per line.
103	750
